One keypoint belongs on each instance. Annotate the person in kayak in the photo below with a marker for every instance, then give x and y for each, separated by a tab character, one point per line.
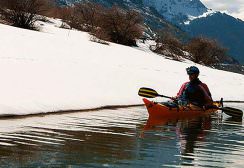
194	92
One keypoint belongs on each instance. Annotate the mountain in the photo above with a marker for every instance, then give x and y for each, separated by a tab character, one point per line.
191	16
228	30
177	11
196	19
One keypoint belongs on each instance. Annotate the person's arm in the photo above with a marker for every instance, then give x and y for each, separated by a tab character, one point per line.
207	94
182	95
182	89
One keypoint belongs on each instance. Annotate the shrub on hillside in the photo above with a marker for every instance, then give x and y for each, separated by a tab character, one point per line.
88	15
111	24
169	45
82	16
64	13
122	27
206	51
23	13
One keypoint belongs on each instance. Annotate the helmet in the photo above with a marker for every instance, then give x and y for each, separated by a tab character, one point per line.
192	70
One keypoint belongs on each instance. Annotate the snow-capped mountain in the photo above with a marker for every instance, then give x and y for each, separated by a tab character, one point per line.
177	11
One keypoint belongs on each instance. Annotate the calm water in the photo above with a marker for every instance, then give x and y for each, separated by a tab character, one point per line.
120	138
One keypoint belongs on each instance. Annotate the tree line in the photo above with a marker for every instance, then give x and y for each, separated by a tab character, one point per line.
200	49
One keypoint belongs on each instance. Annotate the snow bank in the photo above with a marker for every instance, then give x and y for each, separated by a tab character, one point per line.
59	69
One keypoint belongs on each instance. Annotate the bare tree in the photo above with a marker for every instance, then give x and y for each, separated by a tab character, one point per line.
66	14
122	27
88	15
167	44
23	13
111	24
206	51
82	16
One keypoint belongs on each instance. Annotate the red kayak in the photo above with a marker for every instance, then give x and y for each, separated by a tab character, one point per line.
157	110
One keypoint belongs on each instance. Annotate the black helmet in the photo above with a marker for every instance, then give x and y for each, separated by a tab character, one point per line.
192	70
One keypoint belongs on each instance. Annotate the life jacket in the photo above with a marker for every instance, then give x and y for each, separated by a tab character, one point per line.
195	92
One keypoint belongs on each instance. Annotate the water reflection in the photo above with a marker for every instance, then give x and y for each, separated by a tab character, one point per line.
120	138
187	132
204	141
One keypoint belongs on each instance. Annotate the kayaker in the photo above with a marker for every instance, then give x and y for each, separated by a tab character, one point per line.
194	91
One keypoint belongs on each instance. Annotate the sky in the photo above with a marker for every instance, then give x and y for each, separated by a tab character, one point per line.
233	7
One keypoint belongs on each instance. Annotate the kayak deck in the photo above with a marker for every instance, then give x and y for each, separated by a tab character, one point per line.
161	111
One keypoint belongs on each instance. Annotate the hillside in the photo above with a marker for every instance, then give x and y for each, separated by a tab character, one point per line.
190	16
152	17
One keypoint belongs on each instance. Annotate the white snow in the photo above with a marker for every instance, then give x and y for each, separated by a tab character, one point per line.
206	14
59	69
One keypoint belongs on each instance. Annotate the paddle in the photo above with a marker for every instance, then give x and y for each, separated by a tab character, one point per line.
151	93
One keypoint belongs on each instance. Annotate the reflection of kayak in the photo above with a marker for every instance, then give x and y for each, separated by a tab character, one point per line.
157	110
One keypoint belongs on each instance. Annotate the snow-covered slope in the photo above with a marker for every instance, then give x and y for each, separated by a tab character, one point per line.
59	69
191	16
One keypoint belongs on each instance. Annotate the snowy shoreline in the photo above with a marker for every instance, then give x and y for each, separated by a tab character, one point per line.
6	116
59	69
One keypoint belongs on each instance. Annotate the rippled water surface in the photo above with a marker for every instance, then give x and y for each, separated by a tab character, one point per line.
120	138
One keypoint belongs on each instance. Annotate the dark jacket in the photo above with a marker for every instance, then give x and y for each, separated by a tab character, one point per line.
195	92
